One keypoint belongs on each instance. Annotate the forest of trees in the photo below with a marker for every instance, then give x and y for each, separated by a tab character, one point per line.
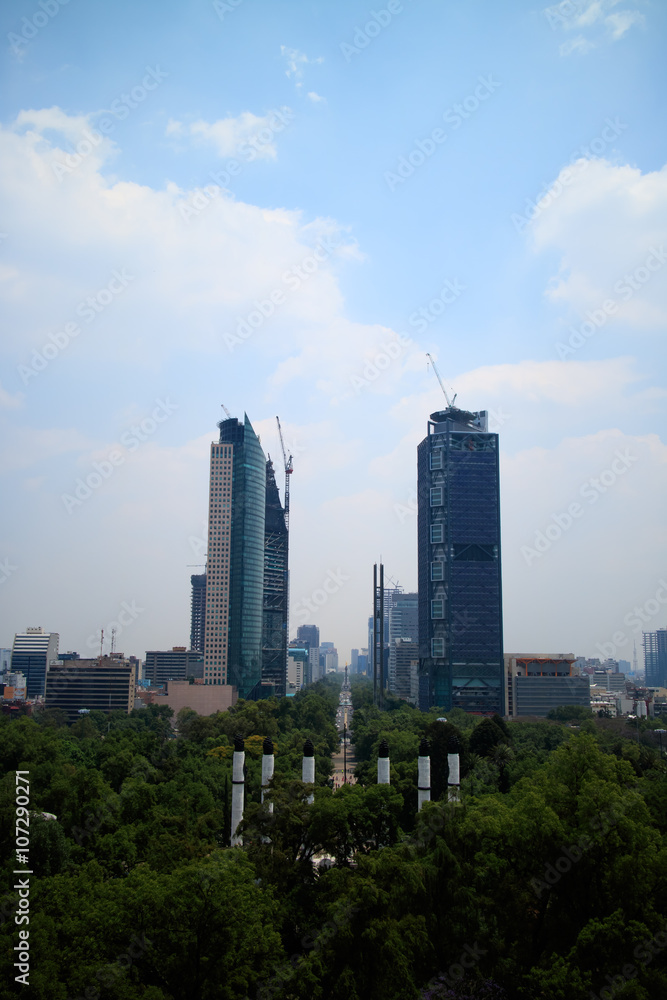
548	880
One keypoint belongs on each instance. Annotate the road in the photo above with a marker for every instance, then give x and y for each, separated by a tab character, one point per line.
342	776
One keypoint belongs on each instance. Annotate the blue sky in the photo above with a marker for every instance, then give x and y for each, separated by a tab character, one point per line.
498	167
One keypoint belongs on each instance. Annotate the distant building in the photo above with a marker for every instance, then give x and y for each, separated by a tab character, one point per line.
297	667
655	657
309	634
173	664
198	611
5	660
460	594
32	652
204	699
536	683
106	684
406	669
362	662
403	624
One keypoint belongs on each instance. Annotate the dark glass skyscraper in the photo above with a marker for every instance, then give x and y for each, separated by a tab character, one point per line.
274	639
460	595
198	611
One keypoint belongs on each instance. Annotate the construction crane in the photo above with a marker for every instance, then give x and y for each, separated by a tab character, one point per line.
288	472
229	416
437	375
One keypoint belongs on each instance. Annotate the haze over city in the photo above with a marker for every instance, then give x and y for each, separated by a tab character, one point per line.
282	208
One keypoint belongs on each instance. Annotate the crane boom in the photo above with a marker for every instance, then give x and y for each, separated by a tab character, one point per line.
437	375
288	470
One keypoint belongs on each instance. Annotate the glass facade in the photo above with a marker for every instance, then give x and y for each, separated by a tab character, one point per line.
460	594
655	657
274	640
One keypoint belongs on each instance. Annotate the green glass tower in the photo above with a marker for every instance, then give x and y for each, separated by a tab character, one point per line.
235	561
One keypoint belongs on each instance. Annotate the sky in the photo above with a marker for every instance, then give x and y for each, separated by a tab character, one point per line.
281	208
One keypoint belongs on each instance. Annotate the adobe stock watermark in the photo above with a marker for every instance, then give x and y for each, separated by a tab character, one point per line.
423	149
285	971
644	953
31	26
626	287
598	826
7	569
130	439
403	511
307	606
378	21
120	108
88	310
248	150
470	957
636	619
293	278
127	615
222	7
561	13
591	490
397	346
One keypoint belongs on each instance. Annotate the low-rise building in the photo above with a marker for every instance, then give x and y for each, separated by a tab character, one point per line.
106	684
538	682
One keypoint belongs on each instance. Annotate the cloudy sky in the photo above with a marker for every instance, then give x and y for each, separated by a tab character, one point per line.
281	207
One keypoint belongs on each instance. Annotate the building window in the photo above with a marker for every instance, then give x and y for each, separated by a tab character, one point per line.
436	459
437	609
437	647
437	533
438	570
436	496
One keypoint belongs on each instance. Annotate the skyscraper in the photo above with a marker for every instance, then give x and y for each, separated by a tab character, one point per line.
403	624
309	634
235	560
32	652
198	611
274	639
460	594
655	657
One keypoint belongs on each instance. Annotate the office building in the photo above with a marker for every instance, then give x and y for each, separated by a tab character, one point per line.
178	663
655	657
297	665
198	611
406	669
235	560
538	682
32	652
403	624
106	684
309	634
274	627
460	595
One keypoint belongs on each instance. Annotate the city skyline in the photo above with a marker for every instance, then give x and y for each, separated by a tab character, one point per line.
256	210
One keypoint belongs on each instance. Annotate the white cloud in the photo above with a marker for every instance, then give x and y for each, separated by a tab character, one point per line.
596	18
606	224
296	61
621	22
247	134
314	97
